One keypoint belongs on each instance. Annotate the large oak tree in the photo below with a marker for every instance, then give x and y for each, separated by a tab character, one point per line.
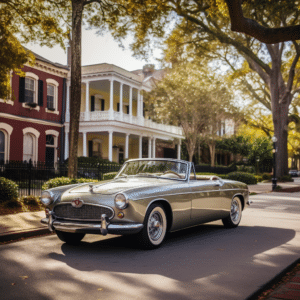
201	27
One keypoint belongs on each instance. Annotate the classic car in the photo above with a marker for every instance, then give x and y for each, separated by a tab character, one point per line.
147	198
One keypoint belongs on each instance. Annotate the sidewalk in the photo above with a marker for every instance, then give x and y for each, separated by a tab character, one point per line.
16	226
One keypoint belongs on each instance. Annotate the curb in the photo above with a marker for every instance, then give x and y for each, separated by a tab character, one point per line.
12	236
273	281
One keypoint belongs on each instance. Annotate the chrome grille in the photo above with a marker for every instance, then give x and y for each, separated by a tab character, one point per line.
85	213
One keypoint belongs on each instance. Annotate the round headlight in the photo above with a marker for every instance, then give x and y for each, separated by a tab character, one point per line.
121	201
47	198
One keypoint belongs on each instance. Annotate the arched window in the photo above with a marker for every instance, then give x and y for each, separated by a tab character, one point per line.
28	147
5	133
2	147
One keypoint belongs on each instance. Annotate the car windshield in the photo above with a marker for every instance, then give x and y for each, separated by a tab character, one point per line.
155	168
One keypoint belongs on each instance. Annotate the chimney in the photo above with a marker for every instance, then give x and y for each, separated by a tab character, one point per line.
148	70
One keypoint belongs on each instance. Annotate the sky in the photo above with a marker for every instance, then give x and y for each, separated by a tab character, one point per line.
95	50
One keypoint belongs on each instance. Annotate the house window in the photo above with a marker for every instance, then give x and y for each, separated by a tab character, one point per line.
50	150
50	97
2	147
28	147
29	90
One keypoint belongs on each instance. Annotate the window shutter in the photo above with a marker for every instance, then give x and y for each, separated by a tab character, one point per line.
90	148
102	105
40	93
22	90
92	103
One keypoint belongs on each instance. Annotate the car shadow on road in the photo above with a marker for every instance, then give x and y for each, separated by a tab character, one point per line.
185	255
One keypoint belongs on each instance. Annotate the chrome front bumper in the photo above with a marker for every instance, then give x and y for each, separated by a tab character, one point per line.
103	228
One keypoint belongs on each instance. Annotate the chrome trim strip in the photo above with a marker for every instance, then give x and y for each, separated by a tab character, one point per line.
204	191
63	203
96	228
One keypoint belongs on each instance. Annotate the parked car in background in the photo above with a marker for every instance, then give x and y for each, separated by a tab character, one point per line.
294	173
147	198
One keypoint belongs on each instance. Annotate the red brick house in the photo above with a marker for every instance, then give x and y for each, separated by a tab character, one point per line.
31	120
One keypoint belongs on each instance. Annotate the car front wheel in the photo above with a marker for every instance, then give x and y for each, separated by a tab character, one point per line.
233	220
70	238
155	227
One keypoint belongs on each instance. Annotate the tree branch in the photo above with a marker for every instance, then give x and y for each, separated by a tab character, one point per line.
265	35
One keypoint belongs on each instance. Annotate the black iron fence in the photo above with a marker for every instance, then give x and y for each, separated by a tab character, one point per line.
30	177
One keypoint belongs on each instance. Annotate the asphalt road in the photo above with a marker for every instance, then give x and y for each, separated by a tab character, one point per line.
204	262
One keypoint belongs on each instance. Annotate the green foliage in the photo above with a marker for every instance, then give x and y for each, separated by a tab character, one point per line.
60	181
259	178
23	22
93	162
243	177
267	176
285	178
8	190
13	203
246	169
110	175
30	200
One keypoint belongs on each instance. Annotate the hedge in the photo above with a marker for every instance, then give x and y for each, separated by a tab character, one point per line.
60	181
243	177
8	190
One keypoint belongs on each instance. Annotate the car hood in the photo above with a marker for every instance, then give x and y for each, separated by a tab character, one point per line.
119	185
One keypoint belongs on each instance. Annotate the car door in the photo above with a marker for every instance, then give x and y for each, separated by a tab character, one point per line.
206	200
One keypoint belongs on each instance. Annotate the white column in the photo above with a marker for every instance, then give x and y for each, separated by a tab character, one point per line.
140	146
142	106
66	145
179	150
110	145
87	101
153	145
68	102
130	104
149	147
84	144
111	100
121	100
138	104
126	145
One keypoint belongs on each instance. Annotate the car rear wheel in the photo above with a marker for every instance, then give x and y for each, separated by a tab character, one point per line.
155	227
70	238
233	220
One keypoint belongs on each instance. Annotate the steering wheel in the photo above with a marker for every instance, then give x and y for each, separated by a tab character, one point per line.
172	172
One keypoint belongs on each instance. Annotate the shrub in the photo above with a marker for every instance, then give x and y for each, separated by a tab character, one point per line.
243	177
8	190
267	176
13	203
60	181
258	178
286	178
110	175
30	200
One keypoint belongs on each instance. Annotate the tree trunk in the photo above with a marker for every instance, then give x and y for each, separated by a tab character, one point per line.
280	110
75	100
212	151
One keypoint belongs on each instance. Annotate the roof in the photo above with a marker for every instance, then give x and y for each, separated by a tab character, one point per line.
40	58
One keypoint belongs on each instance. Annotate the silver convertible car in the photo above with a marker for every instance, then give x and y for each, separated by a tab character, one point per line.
147	198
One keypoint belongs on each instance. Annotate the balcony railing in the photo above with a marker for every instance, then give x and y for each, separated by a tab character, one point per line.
117	116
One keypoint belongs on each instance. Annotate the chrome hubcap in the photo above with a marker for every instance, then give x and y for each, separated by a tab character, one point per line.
235	211
155	226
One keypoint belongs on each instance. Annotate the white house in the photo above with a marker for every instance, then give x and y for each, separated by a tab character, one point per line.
112	123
